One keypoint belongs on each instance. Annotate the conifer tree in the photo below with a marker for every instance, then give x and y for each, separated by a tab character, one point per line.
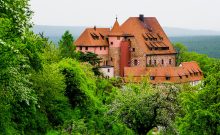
67	49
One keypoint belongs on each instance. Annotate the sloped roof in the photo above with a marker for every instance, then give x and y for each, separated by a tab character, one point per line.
149	28
116	30
177	74
93	37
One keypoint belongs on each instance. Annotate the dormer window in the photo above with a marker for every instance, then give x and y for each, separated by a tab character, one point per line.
152	77
167	77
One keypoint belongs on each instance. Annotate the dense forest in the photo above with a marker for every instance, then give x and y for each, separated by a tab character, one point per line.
52	90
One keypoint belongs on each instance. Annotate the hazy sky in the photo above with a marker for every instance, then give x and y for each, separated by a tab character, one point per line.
193	14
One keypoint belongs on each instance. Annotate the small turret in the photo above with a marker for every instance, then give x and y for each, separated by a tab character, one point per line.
115	38
116	31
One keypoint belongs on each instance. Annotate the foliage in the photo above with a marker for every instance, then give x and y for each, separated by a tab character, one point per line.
92	59
50	87
66	47
180	49
203	60
80	82
142	107
18	13
200	107
49	90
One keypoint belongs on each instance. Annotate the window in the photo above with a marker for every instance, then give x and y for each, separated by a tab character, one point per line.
80	48
133	49
187	76
111	59
191	74
152	77
135	62
162	62
170	61
180	77
155	62
167	78
118	38
104	48
108	70
86	48
100	48
149	62
111	43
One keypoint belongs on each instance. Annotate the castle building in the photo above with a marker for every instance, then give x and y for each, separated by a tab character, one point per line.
137	49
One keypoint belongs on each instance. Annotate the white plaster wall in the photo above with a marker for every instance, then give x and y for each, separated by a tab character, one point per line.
105	72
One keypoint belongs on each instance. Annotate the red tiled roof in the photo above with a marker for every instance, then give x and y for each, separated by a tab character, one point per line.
148	29
179	74
116	31
93	37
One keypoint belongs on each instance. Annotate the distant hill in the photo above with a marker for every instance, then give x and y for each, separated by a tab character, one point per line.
180	32
201	41
55	32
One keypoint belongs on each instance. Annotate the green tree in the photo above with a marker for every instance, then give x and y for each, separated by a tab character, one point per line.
92	59
200	112
66	46
14	88
18	13
142	107
180	50
80	82
49	85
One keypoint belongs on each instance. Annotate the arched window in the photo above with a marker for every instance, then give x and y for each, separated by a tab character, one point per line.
135	62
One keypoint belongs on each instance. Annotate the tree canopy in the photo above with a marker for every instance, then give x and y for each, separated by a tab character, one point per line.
52	90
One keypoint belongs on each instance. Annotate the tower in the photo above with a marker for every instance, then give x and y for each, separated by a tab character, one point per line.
115	38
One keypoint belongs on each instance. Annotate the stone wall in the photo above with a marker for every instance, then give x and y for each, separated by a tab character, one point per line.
168	60
137	54
142	60
114	54
104	60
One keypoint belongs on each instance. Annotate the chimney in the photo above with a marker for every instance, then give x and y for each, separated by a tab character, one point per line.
141	17
94	27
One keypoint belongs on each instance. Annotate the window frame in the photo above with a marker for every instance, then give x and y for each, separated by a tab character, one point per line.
135	62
